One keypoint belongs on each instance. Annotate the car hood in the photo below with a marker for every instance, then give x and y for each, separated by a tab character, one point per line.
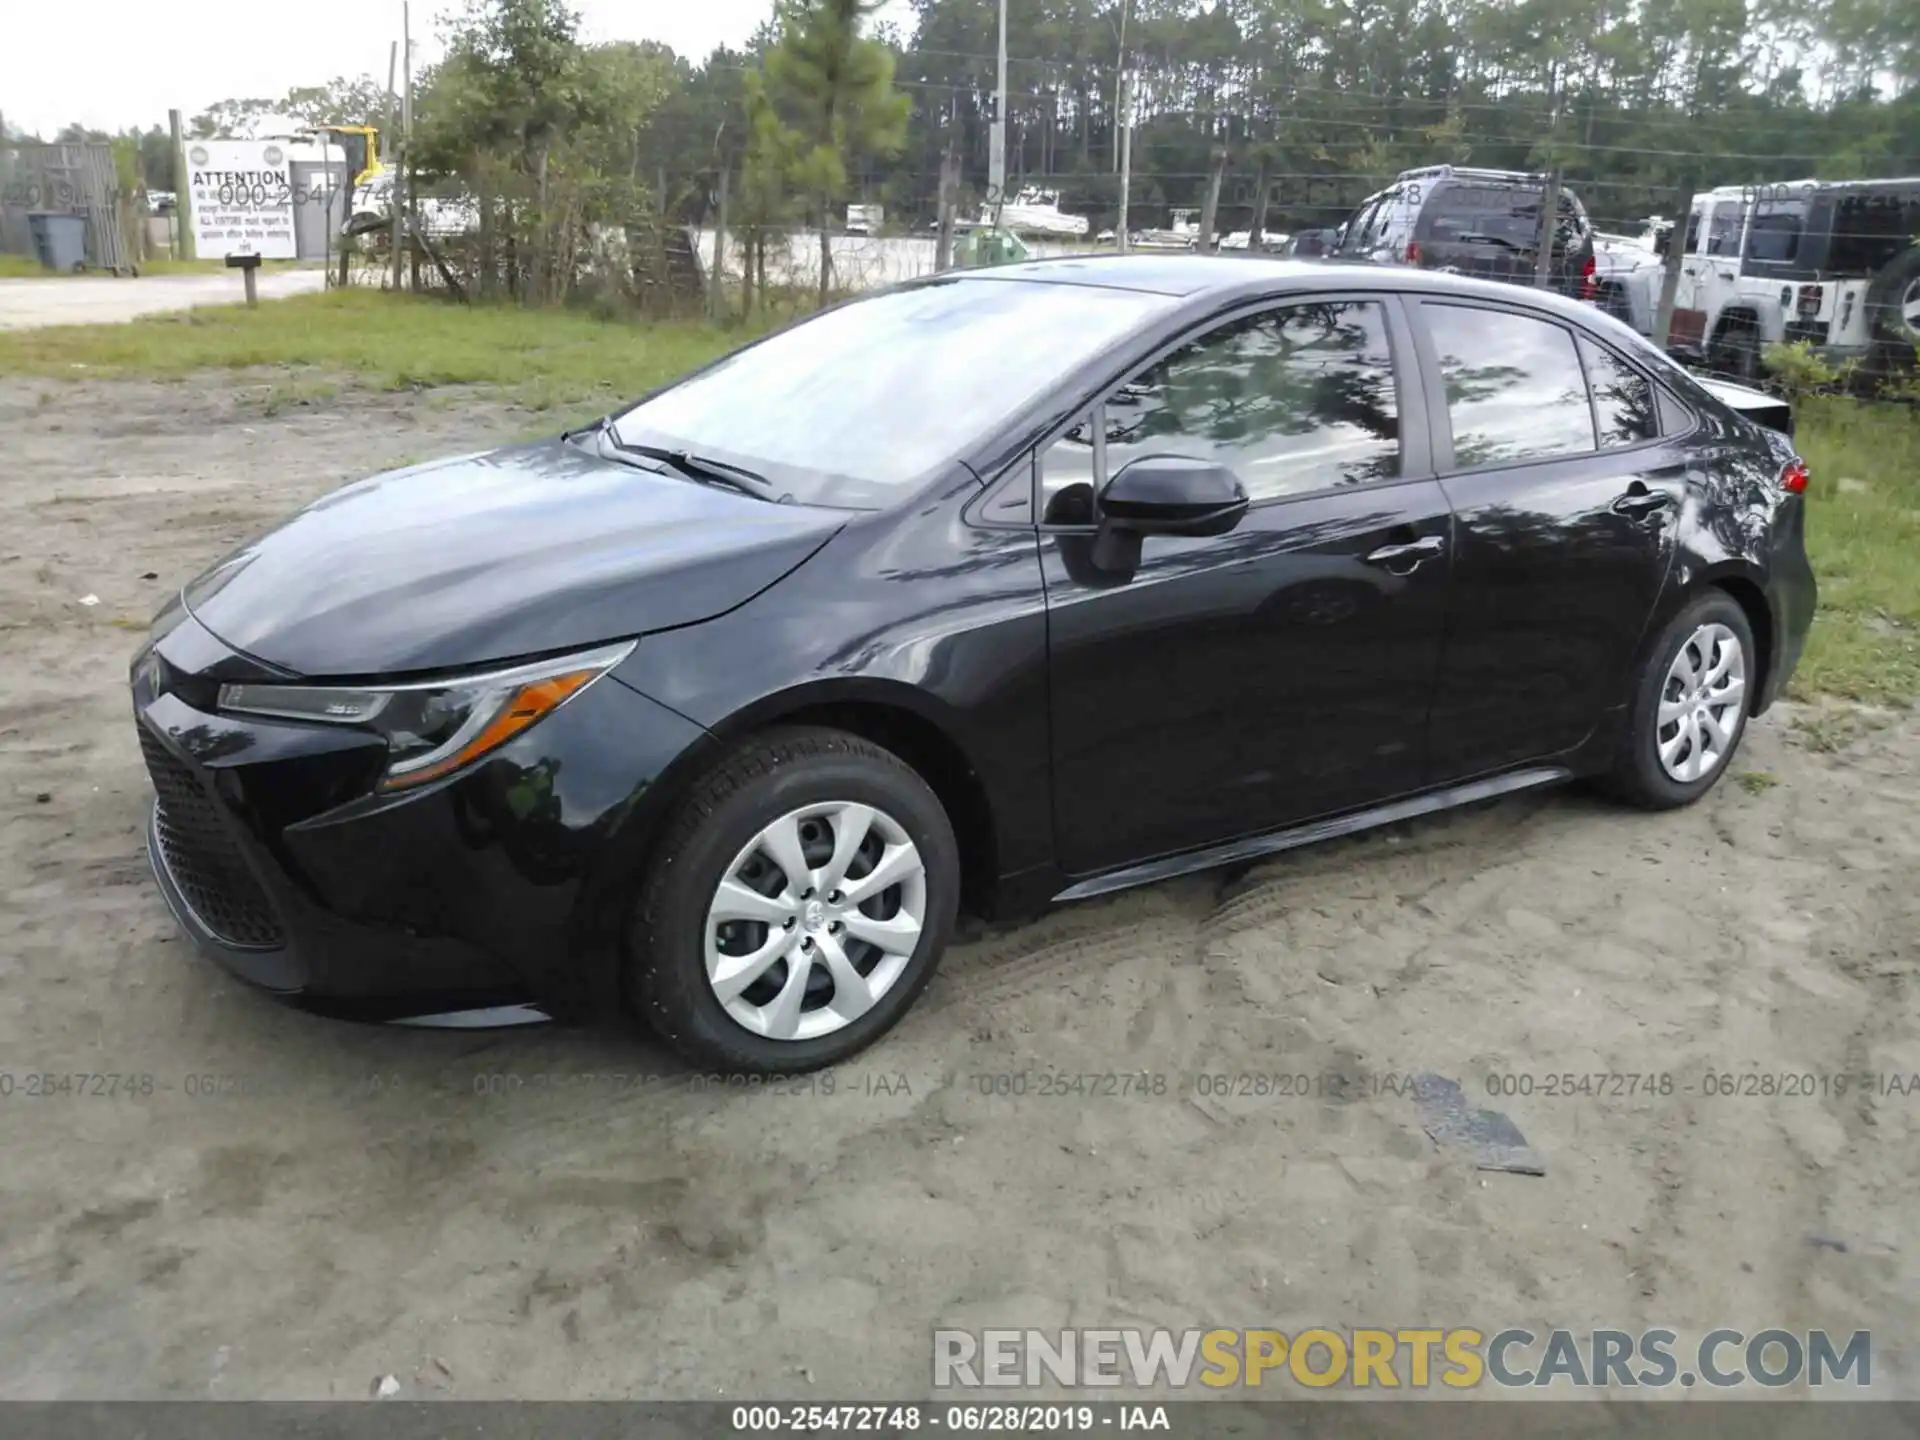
493	556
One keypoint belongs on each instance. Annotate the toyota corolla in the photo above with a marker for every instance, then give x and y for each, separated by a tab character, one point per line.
988	591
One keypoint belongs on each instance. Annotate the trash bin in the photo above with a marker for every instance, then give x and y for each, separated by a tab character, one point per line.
59	240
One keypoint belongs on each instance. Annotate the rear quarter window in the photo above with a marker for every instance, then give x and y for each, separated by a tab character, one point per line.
1675	418
1869	230
1623	399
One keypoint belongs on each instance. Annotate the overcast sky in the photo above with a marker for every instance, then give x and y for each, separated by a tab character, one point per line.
114	63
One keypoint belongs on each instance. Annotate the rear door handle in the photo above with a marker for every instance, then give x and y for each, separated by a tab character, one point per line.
1404	559
1641	501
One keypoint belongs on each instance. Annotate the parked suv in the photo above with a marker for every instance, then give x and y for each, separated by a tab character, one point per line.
1473	222
1832	264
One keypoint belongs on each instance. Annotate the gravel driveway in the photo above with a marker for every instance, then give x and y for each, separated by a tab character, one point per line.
98	299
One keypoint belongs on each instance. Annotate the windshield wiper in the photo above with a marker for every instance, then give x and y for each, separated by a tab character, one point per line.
704	467
591	428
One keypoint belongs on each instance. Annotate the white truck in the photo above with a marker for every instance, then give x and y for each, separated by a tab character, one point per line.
1835	264
1627	271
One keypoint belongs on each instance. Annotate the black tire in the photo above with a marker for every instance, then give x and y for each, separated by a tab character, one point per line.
1738	353
1638	778
761	779
1886	297
1613	301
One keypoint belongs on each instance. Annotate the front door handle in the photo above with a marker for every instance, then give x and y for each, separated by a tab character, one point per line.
1404	559
1639	500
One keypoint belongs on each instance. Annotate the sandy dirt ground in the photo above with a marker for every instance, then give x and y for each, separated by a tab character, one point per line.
99	299
300	1206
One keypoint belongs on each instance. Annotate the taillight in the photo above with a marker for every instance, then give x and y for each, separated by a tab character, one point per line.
1809	300
1793	477
1413	252
1589	282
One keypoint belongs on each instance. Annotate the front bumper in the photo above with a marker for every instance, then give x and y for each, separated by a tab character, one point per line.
499	887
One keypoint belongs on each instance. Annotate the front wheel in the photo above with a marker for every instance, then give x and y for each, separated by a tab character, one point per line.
1690	706
798	902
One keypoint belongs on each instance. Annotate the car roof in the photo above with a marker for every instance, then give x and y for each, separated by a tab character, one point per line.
1802	189
1231	277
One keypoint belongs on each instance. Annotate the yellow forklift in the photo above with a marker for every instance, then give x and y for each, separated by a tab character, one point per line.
362	144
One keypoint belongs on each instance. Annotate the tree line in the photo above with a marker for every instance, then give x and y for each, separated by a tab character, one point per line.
1314	104
569	154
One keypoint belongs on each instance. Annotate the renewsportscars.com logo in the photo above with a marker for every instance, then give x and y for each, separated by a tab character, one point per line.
1413	1358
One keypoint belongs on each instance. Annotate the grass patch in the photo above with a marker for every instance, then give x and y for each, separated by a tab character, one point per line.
24	267
1756	782
543	358
1863	535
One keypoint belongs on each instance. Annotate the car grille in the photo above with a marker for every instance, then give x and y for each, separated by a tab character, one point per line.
202	857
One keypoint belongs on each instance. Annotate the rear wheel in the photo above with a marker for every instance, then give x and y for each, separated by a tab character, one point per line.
1893	301
1738	353
1690	706
802	896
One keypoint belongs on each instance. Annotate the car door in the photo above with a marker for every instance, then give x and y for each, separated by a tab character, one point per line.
1229	685
1566	498
1709	272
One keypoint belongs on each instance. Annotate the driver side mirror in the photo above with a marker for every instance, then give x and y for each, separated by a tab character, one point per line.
1164	495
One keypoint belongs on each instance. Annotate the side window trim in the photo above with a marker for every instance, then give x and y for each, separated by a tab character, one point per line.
1441	423
978	513
1410	401
1593	400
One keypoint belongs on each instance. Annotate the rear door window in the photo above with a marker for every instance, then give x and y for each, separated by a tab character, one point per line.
1514	386
1774	237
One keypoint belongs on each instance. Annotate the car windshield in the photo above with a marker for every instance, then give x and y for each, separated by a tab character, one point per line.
856	407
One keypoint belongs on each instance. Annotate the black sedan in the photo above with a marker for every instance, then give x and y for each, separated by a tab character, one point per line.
987	591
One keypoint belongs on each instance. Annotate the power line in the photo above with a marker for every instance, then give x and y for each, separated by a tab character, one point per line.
1397	129
1296	87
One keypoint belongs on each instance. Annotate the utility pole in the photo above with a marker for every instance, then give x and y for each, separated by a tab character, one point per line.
1549	225
1670	267
1122	86
406	134
997	159
397	145
716	299
182	191
1212	206
1124	120
943	244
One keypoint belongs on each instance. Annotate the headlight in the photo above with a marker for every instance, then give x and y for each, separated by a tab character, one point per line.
435	727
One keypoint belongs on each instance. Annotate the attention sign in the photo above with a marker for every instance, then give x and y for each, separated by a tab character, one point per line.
242	198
